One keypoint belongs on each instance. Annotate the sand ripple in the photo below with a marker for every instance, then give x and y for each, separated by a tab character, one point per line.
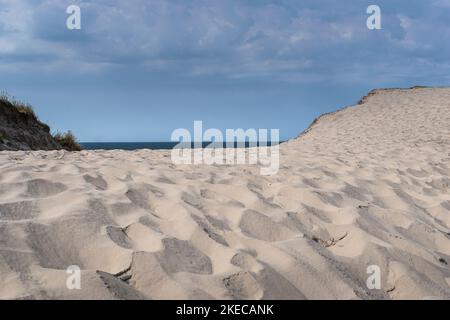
368	185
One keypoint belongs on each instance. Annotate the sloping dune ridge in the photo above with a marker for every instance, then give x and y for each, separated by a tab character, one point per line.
368	185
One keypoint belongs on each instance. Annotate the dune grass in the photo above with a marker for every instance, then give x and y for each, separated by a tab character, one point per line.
20	106
67	140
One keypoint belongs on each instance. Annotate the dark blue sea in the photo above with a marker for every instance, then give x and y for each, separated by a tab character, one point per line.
141	145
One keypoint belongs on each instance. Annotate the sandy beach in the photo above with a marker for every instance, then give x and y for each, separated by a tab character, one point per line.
366	185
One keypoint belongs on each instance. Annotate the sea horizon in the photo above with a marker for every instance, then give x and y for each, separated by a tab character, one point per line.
153	145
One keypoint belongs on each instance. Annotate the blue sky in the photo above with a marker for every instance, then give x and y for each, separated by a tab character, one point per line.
139	69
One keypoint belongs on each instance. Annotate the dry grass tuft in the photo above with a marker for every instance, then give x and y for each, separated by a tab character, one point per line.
67	140
20	106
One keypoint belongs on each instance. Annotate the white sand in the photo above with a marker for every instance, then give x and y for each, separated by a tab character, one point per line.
367	185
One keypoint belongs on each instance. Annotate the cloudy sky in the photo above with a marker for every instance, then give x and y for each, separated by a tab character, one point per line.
139	69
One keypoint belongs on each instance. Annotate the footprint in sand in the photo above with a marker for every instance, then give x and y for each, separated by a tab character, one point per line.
259	226
119	237
139	198
217	223
18	210
245	261
51	252
119	288
243	285
41	188
98	182
182	256
209	230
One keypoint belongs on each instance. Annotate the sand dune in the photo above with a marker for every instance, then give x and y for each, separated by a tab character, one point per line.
367	185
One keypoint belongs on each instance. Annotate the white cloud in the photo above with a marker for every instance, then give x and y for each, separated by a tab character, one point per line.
283	39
